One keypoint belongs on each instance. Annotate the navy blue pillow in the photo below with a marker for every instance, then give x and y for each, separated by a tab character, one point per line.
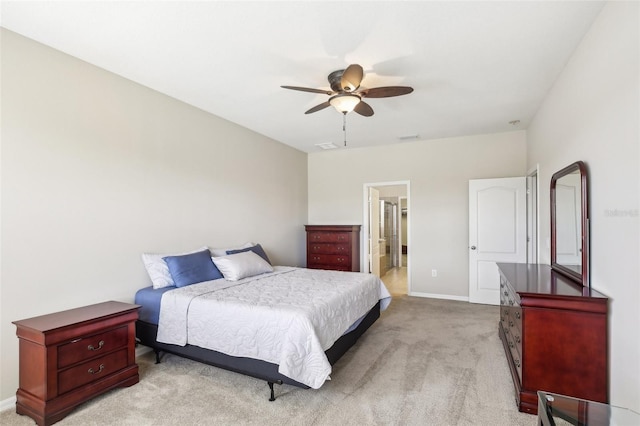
257	249
192	268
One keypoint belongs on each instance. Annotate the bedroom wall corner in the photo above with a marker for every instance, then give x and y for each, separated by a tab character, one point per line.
439	172
592	113
96	170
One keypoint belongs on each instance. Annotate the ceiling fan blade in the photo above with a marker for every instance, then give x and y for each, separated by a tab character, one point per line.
308	89
364	108
318	107
386	92
351	78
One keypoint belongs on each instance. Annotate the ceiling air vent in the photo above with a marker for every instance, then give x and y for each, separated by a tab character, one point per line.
326	145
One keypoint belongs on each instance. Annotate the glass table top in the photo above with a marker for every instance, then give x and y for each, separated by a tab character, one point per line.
557	410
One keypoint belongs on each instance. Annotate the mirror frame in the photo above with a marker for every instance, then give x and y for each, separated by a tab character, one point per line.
583	276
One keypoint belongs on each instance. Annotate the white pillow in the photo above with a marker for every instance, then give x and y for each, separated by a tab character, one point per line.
158	270
217	252
237	266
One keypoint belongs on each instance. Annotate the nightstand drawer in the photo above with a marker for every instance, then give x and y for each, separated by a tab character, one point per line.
91	370
88	347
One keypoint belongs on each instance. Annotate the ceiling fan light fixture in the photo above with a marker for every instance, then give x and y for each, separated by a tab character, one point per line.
347	95
345	102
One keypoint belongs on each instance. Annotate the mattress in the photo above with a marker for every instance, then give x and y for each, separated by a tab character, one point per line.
149	299
322	322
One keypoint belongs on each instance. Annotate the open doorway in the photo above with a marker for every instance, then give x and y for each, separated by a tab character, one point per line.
385	234
532	216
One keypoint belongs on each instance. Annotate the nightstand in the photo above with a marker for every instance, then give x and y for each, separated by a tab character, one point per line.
69	357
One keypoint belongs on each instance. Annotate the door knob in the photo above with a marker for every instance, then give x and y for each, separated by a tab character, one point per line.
473	247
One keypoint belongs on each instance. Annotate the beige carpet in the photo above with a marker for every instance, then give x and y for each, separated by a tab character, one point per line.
425	362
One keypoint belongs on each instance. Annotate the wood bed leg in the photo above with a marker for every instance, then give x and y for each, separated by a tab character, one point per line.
157	351
273	397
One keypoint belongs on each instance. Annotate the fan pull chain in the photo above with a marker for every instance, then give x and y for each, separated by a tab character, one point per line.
344	127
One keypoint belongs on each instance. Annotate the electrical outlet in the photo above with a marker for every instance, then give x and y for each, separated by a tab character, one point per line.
434	272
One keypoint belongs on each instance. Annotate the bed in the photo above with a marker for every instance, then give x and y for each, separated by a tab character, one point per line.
282	324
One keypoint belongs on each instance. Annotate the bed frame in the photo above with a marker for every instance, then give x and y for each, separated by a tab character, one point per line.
146	335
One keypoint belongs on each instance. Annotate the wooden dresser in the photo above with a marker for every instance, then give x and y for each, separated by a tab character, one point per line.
554	334
334	247
69	357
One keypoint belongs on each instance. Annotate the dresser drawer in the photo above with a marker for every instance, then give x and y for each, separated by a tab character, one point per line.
505	315
345	268
517	360
329	260
507	297
88	347
337	248
328	237
514	325
90	371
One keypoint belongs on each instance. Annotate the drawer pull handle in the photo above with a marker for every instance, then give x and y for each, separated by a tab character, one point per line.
92	371
100	345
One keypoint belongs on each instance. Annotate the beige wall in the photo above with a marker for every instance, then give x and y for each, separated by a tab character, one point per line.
439	172
97	170
592	114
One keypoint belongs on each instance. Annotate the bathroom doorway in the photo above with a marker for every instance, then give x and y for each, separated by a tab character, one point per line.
385	234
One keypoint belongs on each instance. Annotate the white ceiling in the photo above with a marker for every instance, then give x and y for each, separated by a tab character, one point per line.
474	65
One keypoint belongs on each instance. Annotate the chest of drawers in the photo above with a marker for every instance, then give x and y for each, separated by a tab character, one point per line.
554	334
69	357
334	247
511	323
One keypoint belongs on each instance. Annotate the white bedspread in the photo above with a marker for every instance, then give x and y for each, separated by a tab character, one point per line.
288	317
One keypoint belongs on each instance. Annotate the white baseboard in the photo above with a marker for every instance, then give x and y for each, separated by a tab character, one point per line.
439	296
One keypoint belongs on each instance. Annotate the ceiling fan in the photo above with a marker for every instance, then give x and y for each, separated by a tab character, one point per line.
346	94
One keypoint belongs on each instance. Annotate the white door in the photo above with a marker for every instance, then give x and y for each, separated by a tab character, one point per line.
374	231
497	233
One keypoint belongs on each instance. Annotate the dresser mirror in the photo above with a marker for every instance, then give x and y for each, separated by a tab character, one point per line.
570	223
